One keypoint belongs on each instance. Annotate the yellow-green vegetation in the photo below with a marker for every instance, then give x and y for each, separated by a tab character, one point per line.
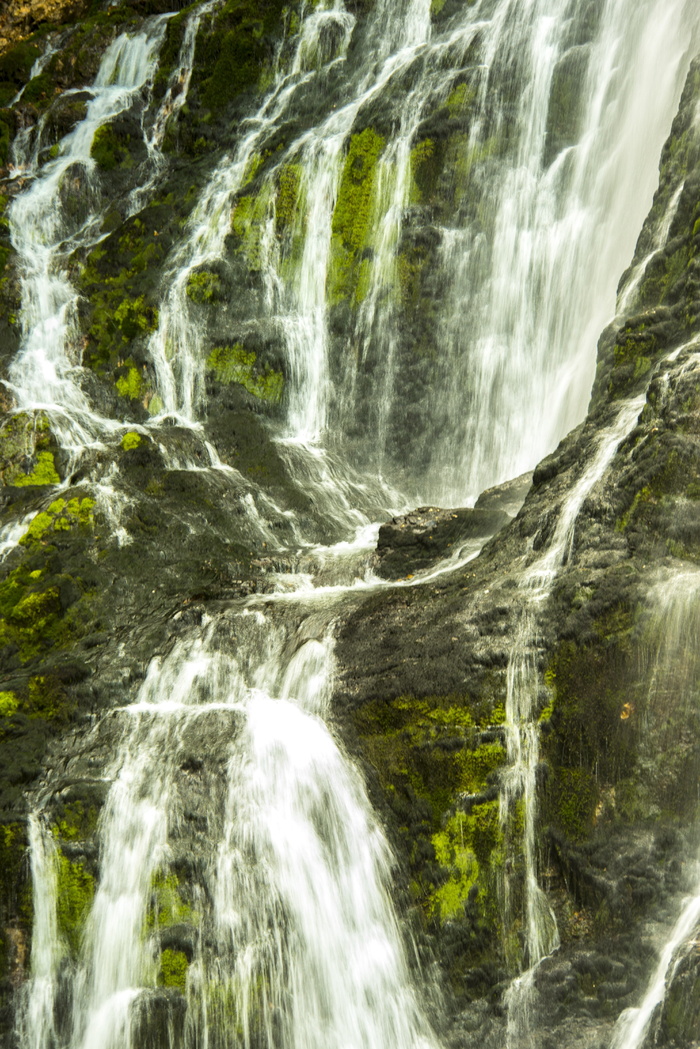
47	699
234	364
60	516
110	151
32	613
131	440
167	906
26	457
76	889
478	765
466	848
131	384
112	282
288	187
28	617
460	98
8	704
233	46
352	217
428	753
203	287
77	822
173	969
248	222
422	156
43	473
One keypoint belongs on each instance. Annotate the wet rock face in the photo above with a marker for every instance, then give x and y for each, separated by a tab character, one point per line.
423	673
411	543
618	724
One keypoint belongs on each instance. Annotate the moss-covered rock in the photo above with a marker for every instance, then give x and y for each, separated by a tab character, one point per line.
234	364
352	217
28	451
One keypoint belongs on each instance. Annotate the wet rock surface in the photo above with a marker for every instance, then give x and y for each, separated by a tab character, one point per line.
88	599
408	544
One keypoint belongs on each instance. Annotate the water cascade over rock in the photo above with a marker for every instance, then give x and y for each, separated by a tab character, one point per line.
341	708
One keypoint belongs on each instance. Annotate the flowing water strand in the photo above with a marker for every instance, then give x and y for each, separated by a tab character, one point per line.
302	901
376	332
675	628
45	230
519	781
297	292
174	99
118	960
177	346
38	67
304	943
36	1024
536	276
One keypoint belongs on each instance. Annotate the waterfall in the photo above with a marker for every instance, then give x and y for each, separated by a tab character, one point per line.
305	945
36	1021
45	231
240	860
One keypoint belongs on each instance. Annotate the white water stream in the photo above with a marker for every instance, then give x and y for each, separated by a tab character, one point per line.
675	629
46	229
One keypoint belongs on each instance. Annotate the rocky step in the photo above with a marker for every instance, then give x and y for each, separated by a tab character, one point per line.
415	541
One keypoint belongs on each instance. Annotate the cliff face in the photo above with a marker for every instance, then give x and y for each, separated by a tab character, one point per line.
526	721
425	675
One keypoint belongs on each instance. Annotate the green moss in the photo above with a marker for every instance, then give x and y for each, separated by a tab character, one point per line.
76	889
248	224
480	764
117	280
130	385
48	700
8	704
26	456
43	473
467	848
131	440
173	969
60	516
203	287
460	98
30	618
77	823
352	216
110	151
234	364
288	187
455	855
167	907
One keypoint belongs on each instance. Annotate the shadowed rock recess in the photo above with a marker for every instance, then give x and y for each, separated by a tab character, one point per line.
349	577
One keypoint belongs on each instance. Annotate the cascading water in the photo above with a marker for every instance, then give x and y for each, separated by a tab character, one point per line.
305	949
294	938
45	232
